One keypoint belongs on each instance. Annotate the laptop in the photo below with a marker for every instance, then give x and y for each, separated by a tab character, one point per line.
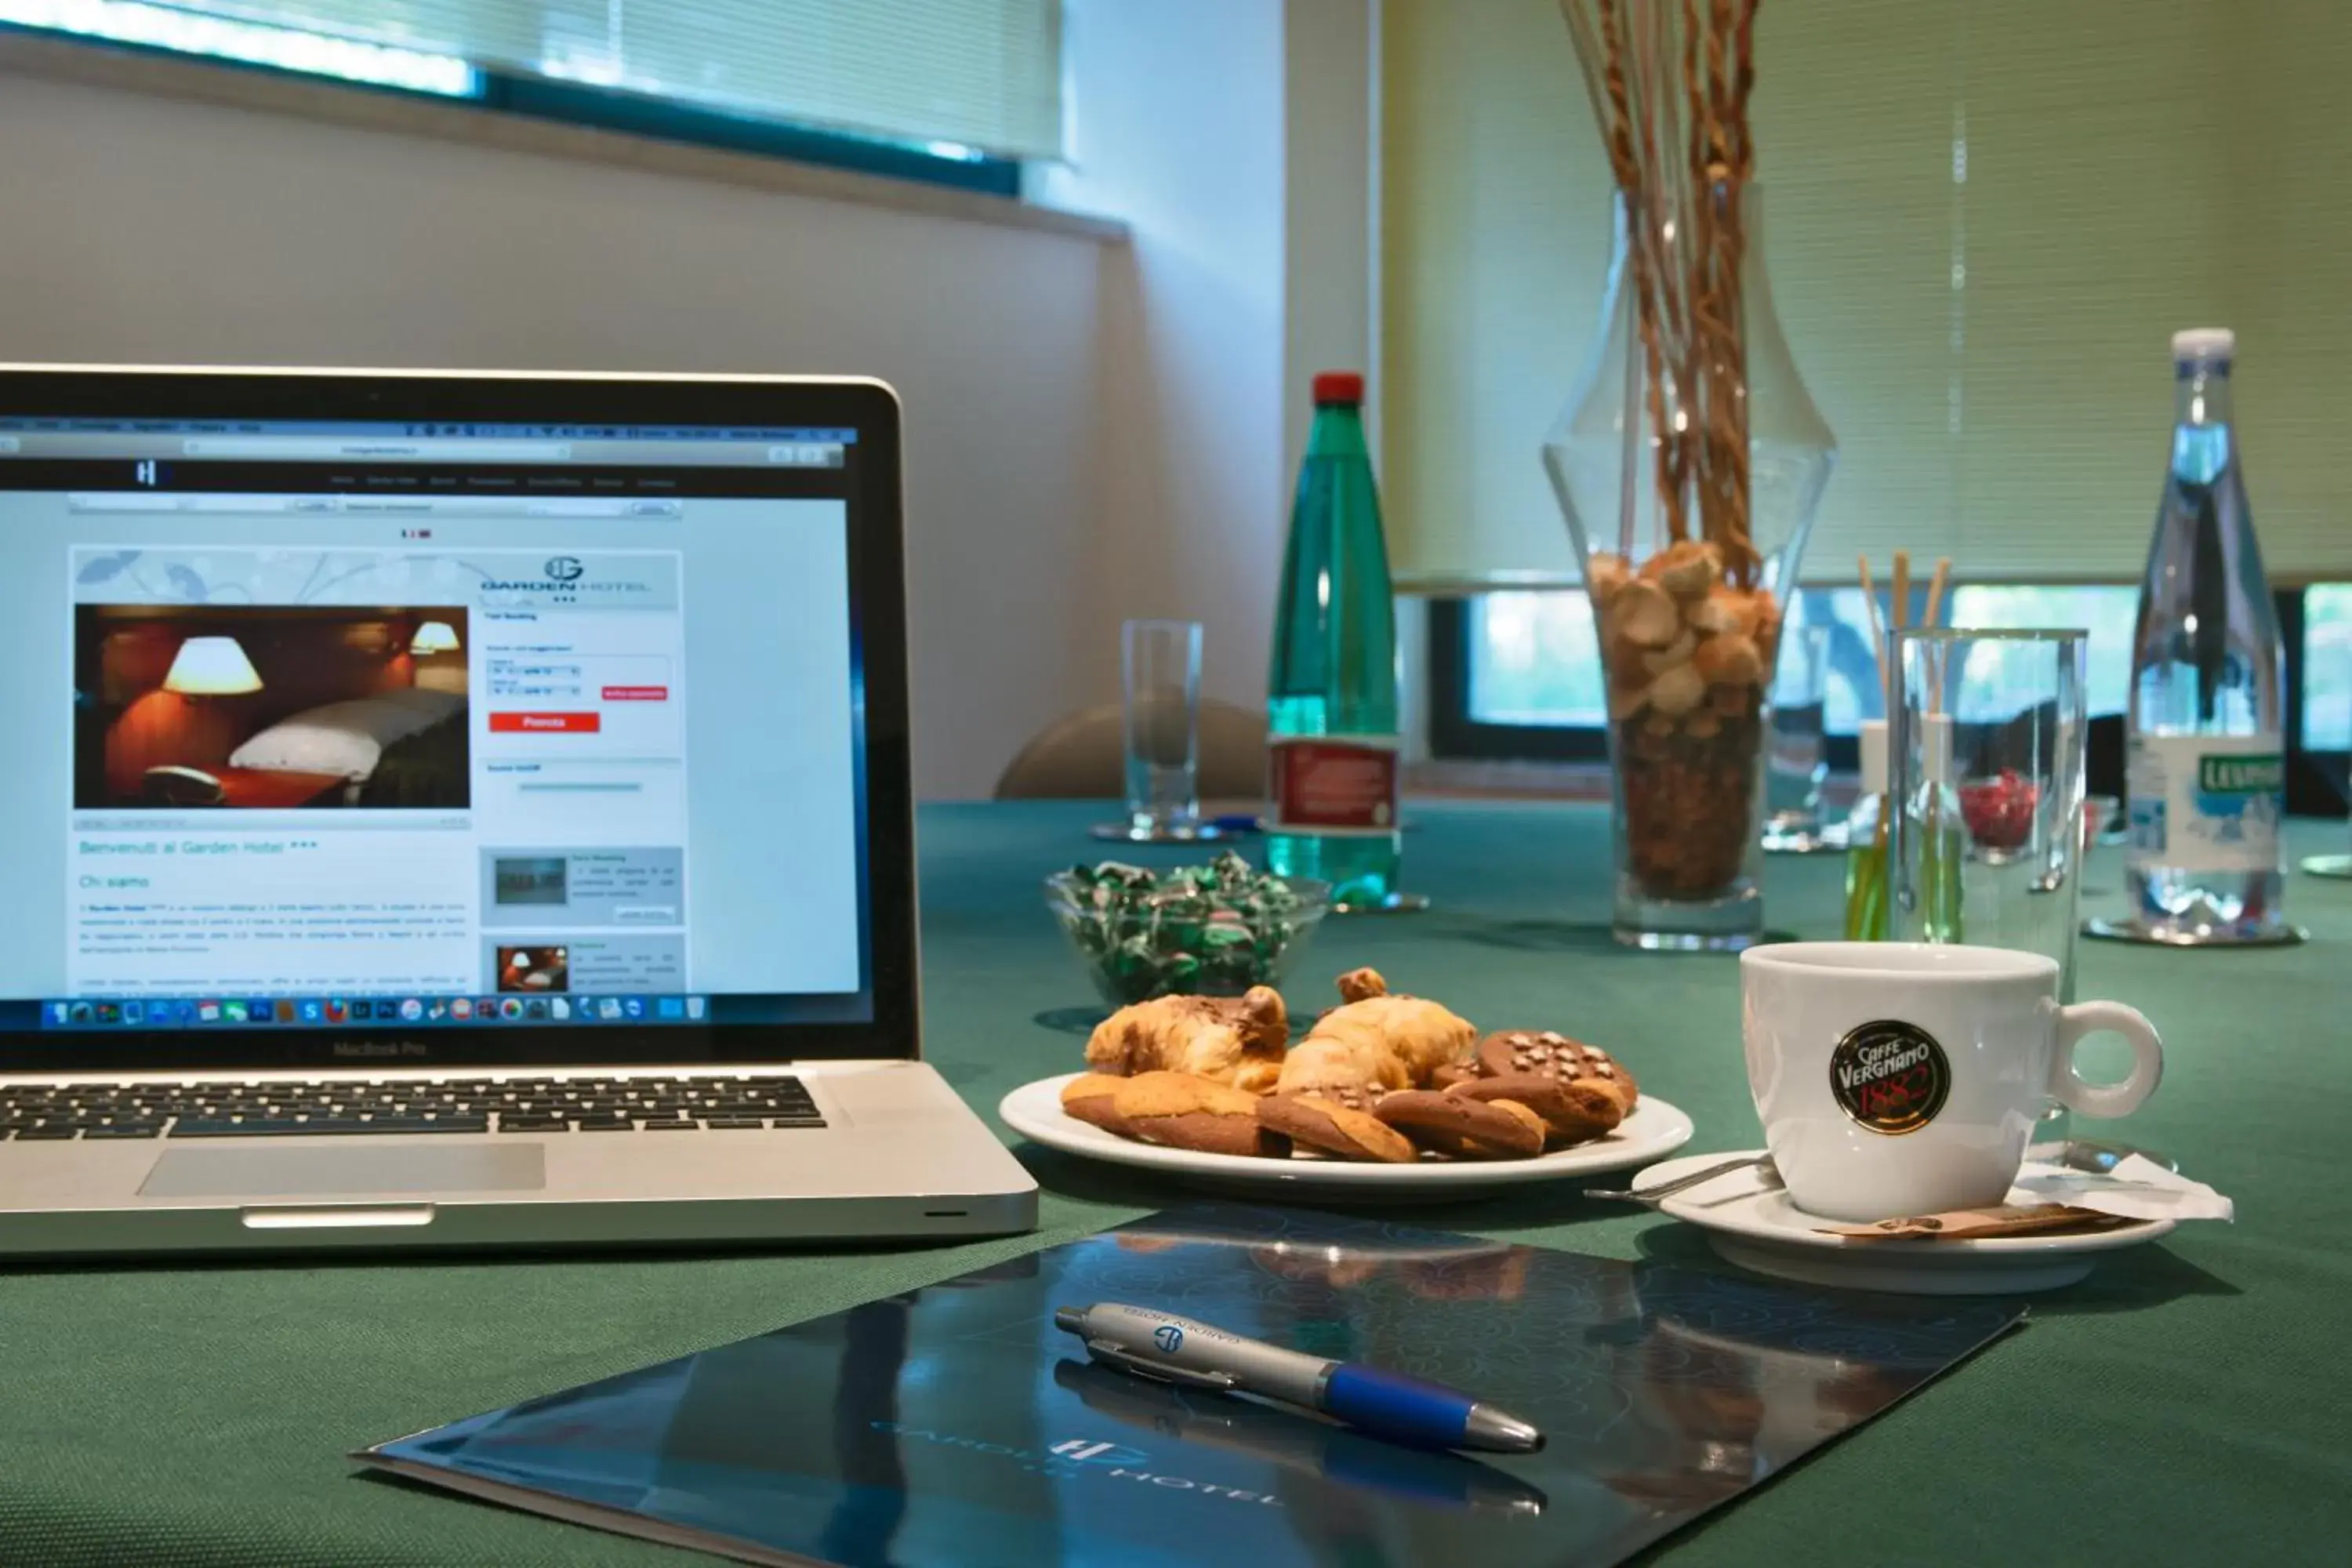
482	818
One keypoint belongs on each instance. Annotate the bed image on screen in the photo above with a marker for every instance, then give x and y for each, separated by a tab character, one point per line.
538	968
271	707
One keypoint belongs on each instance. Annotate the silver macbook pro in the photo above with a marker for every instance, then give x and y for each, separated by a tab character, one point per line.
461	810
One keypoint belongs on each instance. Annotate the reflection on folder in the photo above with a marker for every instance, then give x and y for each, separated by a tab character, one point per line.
955	1425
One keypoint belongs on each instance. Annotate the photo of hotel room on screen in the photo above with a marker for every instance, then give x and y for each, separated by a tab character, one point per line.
269	707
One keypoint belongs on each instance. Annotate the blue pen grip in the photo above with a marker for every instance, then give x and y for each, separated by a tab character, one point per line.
1401	1409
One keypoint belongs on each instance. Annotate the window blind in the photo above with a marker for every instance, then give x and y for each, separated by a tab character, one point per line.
981	74
1983	220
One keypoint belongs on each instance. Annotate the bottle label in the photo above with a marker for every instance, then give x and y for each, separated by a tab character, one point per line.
1333	784
2206	802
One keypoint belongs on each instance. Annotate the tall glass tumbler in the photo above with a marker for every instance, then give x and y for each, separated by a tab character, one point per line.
1161	661
1986	791
1796	752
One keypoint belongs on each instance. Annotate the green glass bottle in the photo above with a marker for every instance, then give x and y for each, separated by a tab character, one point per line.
1331	708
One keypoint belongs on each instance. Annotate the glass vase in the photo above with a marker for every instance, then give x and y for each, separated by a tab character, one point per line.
1687	608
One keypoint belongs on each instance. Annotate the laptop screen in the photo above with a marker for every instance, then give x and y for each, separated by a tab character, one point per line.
416	727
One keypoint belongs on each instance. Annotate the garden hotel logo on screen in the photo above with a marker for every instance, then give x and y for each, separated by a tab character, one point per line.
565	577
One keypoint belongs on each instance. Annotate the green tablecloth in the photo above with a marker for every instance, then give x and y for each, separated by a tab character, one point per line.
2187	1404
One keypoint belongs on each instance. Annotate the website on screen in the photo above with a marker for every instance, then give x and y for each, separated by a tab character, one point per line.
454	744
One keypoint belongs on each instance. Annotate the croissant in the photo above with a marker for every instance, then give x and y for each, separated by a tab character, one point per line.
1232	1040
1344	1052
1375	1042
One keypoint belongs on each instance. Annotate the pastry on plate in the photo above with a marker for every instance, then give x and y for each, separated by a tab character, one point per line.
1330	1128
1444	1122
1575	1111
1375	1042
1235	1040
1554	1055
1087	1097
1185	1111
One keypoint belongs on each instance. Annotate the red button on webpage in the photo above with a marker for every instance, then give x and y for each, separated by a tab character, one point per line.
546	723
637	694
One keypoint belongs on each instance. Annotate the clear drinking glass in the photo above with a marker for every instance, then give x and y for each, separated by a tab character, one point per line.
1796	755
1161	661
1986	791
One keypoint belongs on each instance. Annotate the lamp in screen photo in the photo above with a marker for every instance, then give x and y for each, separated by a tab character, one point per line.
212	667
434	636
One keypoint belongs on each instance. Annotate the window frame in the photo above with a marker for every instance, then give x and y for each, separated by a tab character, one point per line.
2314	782
521	95
1454	734
2315	776
696	125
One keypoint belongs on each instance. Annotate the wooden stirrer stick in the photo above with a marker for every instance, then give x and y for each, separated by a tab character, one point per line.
1877	630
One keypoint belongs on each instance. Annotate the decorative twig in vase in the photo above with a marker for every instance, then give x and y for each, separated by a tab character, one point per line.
1682	155
1690	616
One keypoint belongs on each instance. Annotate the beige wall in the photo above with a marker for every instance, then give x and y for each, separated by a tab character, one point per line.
155	230
1096	429
1178	132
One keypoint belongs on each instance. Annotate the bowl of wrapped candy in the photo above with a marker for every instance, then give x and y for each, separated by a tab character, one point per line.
1200	930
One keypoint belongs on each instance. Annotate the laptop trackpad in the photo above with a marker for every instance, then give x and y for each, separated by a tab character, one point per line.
286	1172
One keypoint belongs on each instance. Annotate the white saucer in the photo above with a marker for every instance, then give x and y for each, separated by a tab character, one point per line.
1749	1221
1655	1128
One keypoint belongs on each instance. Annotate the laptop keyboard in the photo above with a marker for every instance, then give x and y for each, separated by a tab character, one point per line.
32	1113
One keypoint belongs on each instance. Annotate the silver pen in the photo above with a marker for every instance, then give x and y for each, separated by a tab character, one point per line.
1383	1403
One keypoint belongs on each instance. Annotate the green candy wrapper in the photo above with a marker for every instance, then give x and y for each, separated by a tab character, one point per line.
1217	928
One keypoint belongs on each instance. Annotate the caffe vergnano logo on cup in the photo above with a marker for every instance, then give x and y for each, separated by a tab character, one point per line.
1889	1075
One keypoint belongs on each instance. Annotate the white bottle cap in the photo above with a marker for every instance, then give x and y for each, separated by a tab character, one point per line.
2204	342
1874	756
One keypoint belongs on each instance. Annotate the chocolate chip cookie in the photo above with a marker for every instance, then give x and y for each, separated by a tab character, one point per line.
1553	1055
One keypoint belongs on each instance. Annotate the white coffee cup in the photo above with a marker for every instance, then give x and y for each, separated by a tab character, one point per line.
1899	1078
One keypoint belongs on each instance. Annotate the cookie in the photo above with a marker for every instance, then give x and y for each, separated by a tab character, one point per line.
1555	1056
1087	1097
1574	1113
1452	1124
1453	1073
1183	1111
1334	1129
1353	1096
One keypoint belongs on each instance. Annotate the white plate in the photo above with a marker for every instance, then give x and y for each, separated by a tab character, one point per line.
1654	1128
1749	1221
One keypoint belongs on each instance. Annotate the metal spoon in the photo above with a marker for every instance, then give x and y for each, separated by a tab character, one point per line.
1650	1196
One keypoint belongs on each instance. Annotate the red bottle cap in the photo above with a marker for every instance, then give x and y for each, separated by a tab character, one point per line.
1339	387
